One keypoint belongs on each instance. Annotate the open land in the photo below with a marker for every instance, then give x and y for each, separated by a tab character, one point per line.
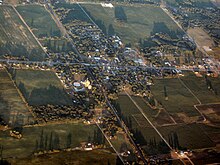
15	38
94	157
39	20
41	87
14	110
34	136
140	23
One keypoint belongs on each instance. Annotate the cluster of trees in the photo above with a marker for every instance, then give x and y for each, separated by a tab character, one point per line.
120	14
98	138
56	47
43	96
50	142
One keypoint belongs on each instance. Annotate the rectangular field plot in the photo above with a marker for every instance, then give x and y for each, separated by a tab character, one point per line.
40	20
180	100
53	136
132	23
41	87
13	109
15	38
199	86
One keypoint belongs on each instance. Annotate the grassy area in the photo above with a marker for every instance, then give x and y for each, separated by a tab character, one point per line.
15	39
12	108
141	21
199	87
102	157
40	21
180	100
41	87
188	134
33	136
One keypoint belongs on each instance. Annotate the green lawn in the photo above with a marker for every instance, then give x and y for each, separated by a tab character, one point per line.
41	87
200	89
12	108
32	135
40	20
141	21
15	39
180	100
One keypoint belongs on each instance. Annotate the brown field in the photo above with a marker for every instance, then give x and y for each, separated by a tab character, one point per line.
212	112
201	37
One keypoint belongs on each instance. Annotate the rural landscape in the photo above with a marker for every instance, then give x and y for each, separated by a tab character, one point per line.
109	82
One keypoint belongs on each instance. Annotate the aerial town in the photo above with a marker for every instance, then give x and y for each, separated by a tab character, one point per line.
109	82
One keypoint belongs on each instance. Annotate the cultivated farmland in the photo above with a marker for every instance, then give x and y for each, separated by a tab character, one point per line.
15	38
40	21
199	86
41	87
54	136
13	109
187	134
139	22
180	100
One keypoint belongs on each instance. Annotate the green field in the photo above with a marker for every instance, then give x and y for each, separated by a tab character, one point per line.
198	86
12	108
40	20
41	87
15	39
101	157
180	100
188	134
33	137
141	21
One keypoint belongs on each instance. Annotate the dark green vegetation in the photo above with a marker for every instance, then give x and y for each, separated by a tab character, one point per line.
15	39
40	21
41	87
75	12
132	23
207	89
180	100
179	136
48	137
13	110
102	157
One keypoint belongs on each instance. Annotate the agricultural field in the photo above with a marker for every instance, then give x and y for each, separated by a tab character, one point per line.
53	136
138	23
180	101
188	134
15	38
41	87
39	20
102	157
13	109
198	85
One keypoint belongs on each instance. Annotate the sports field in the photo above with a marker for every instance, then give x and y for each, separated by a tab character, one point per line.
15	39
41	87
40	20
13	109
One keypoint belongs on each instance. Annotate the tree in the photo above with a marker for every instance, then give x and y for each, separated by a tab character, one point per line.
165	93
69	140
